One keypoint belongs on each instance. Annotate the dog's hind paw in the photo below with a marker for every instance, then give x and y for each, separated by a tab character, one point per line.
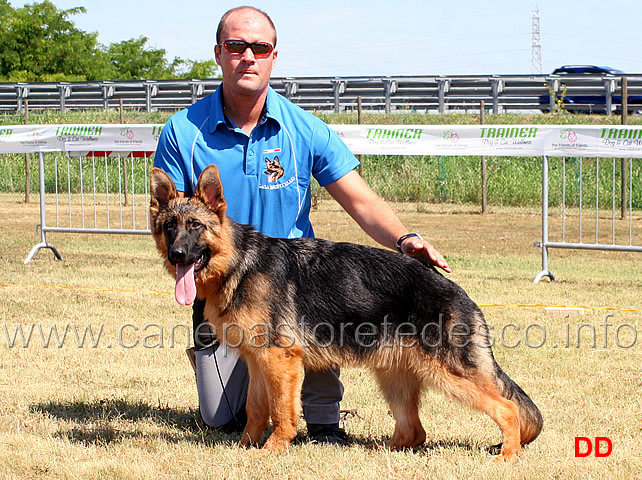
375	446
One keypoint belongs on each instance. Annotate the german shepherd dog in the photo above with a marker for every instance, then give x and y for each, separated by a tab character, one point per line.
295	303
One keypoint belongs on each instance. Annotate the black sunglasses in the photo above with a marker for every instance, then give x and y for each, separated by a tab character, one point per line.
259	49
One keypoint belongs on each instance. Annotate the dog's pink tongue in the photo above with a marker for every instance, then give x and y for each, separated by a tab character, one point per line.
185	291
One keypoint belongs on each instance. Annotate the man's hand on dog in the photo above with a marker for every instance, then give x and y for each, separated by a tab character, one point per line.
424	252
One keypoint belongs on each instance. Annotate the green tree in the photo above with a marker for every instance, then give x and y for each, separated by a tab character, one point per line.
5	8
194	68
38	42
133	60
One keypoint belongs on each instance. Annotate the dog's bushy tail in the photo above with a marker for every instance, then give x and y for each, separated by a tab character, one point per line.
530	417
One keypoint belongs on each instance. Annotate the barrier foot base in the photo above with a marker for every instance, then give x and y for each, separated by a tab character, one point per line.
542	274
37	247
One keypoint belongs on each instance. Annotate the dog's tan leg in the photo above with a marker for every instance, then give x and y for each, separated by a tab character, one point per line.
506	415
402	390
283	373
481	394
257	408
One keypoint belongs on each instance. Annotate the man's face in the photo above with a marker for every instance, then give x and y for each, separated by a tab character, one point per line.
245	73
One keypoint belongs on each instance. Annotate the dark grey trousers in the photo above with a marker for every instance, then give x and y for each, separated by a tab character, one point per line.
321	393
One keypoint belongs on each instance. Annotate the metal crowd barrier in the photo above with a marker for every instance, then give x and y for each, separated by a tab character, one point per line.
94	178
106	194
424	93
597	215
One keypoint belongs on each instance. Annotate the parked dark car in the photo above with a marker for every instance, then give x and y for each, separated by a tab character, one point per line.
586	70
591	99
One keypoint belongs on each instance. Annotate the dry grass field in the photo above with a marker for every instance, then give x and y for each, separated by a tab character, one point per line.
124	404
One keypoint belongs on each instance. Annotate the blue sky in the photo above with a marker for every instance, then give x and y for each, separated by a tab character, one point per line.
395	37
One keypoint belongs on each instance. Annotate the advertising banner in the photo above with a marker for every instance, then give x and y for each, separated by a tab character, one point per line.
494	140
447	140
80	139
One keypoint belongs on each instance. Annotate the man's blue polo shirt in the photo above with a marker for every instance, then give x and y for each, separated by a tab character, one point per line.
266	176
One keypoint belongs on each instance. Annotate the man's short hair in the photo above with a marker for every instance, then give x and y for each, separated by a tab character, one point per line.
226	15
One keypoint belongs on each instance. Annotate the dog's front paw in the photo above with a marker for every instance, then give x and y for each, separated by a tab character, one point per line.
275	444
507	458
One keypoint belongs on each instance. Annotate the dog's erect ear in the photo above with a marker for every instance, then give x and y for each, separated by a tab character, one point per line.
210	191
162	190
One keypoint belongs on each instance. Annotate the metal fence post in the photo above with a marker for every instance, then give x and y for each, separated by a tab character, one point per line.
444	86
43	218
196	88
27	159
64	91
22	92
609	88
624	161
359	121
482	120
290	88
108	92
553	87
151	90
389	89
338	88
497	87
544	244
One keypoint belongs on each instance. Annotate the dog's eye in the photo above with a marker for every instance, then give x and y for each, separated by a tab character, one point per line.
195	225
170	223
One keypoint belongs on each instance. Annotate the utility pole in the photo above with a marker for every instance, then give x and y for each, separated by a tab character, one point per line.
536	44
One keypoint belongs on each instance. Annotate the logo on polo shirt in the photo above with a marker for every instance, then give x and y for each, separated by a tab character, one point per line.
274	170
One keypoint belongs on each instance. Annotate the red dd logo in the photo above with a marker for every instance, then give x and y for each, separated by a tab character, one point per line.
584	446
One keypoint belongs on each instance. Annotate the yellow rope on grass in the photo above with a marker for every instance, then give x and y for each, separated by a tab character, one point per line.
165	292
